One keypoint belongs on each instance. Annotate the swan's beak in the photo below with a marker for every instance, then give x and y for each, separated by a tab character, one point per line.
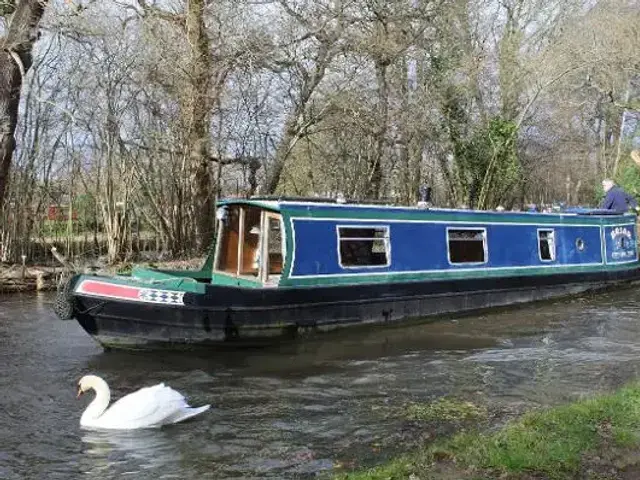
80	392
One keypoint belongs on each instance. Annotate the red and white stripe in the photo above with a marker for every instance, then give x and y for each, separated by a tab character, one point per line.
116	291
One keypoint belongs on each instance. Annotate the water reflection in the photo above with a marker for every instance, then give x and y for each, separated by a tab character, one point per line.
321	354
148	449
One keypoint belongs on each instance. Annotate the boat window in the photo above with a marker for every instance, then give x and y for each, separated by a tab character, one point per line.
467	245
227	260
547	245
363	247
274	245
251	245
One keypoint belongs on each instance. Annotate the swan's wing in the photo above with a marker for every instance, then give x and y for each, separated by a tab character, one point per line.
150	406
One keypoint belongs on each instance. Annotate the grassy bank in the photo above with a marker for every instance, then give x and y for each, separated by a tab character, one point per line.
596	438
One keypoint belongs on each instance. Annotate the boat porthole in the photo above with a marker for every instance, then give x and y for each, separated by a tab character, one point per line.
580	244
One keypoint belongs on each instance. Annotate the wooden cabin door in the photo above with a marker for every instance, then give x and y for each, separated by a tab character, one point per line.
272	247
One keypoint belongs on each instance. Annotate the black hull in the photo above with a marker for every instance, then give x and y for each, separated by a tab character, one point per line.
235	317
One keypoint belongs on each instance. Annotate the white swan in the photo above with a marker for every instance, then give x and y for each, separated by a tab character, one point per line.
147	408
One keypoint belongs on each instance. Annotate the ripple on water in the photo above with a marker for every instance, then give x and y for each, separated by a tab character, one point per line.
296	411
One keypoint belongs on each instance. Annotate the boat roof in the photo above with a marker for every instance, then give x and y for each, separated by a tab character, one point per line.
281	204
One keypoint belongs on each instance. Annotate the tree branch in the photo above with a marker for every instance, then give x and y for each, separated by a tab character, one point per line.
153	11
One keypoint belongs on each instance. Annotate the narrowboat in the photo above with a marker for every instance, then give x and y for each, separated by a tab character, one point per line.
285	267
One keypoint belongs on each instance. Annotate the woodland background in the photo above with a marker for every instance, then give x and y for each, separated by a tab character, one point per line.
131	118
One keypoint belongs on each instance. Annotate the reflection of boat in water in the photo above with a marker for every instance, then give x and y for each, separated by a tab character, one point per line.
311	356
285	268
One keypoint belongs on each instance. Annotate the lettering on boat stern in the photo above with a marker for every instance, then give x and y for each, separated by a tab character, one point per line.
623	244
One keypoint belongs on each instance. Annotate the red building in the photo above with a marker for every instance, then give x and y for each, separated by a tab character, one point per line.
60	213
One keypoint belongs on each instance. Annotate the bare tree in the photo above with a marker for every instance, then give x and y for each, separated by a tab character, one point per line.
314	40
15	61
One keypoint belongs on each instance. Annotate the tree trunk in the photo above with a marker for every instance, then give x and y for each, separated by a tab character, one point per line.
285	147
198	110
623	121
375	163
509	66
15	61
296	123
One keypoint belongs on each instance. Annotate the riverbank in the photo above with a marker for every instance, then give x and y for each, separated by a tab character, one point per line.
31	278
597	438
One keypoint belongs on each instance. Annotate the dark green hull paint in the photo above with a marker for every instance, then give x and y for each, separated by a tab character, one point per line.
235	317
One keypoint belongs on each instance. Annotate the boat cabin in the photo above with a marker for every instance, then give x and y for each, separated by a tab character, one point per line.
250	243
266	243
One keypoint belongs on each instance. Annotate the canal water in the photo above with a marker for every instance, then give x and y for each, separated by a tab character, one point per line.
300	410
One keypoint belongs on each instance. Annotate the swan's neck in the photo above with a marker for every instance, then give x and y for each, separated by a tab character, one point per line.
99	404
